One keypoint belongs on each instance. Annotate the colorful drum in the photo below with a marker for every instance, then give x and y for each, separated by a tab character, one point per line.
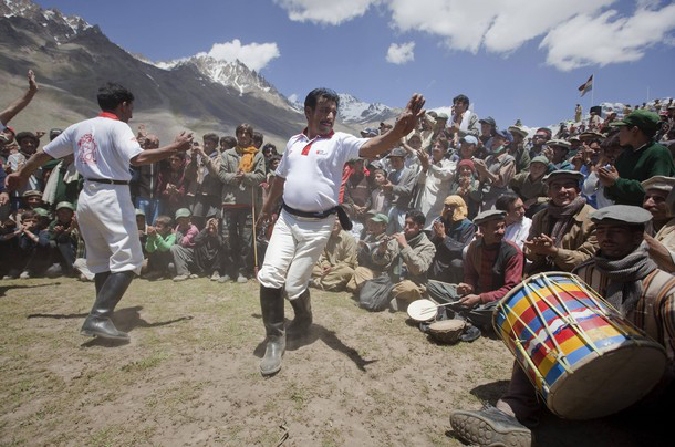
583	357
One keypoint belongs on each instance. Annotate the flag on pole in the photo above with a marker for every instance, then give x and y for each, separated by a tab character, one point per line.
586	86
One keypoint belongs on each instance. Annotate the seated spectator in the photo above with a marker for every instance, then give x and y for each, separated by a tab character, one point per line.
160	239
643	159
400	190
539	141
416	253
336	265
203	184
660	202
208	246
530	186
34	256
467	186
171	184
62	237
368	268
434	180
184	249
493	266
451	234
622	273
560	150
517	225
32	199
562	236
496	171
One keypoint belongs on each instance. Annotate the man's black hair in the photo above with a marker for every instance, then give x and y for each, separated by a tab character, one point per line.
312	98
257	138
229	140
461	98
505	202
111	95
417	216
211	137
271	148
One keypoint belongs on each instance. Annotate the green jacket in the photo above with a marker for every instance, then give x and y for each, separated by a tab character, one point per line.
635	166
159	243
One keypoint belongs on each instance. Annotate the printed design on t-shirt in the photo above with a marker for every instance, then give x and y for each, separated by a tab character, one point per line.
87	149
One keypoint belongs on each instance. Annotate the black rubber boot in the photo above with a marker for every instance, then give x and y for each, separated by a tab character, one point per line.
490	427
110	290
302	307
272	307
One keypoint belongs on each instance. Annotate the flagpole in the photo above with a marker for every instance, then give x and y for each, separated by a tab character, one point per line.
593	91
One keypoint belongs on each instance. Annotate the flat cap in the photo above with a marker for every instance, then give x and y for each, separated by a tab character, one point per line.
590	134
397	152
562	173
540	159
442	116
489	215
182	212
574	138
559	142
659	182
629	215
41	212
140	212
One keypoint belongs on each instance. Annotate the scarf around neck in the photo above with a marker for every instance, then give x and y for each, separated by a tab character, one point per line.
247	155
625	276
563	217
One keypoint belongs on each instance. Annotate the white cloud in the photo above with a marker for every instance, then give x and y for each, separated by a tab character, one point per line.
400	54
332	12
254	55
575	32
612	38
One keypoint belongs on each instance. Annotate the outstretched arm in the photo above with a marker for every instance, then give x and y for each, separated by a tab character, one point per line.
20	178
406	123
149	156
18	105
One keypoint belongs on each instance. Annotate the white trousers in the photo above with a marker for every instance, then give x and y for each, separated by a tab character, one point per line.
107	221
294	248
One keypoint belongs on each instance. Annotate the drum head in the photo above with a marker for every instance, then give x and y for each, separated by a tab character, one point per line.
422	310
608	383
447	325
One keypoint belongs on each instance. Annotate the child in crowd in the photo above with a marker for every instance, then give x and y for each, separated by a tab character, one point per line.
34	256
63	241
207	249
160	239
380	204
467	186
184	249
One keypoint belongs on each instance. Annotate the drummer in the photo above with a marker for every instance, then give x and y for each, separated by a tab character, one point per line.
622	272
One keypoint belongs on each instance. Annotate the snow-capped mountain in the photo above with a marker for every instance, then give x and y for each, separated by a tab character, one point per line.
59	26
353	110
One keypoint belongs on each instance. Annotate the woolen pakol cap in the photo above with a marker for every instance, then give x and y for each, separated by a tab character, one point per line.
41	212
629	215
489	215
182	212
643	120
380	218
659	182
65	204
540	159
31	193
488	120
398	152
140	212
517	130
561	173
560	143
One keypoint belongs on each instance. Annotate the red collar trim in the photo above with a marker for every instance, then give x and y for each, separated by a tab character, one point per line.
305	132
108	115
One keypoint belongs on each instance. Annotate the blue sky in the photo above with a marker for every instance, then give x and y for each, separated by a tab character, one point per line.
513	58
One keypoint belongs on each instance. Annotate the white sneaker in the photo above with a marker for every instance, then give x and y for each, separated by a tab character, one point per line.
24	275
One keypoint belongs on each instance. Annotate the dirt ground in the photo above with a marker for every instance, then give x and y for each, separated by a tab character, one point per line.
190	375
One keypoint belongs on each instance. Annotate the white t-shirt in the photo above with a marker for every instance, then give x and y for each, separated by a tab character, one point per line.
102	146
313	169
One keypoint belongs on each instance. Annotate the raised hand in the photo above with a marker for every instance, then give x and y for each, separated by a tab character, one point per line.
184	141
407	121
32	85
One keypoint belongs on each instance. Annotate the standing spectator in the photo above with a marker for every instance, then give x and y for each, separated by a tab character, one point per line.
643	159
378	196
539	141
144	181
171	184
28	145
400	190
203	183
242	169
64	183
488	129
434	180
463	120
257	140
560	150
517	148
496	171
227	142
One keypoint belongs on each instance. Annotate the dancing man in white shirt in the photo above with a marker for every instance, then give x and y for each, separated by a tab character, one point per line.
309	178
104	147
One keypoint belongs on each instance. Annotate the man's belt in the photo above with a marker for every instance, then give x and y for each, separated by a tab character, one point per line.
342	215
108	181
